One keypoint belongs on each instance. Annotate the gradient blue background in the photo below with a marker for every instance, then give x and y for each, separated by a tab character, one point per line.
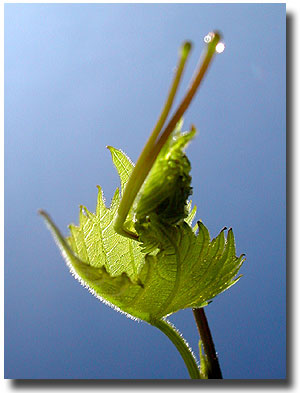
80	77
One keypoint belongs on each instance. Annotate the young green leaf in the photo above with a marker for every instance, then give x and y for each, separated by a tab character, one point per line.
171	268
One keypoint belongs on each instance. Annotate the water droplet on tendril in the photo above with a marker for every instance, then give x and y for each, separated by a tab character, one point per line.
220	47
208	38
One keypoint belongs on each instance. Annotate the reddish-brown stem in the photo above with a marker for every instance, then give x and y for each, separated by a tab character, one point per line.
214	370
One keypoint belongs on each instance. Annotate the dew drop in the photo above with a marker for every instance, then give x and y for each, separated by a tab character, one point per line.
220	47
208	38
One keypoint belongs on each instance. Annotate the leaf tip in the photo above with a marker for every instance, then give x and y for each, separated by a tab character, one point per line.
230	235
139	282
44	214
193	129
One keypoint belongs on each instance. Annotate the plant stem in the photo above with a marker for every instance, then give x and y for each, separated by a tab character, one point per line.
189	95
214	370
143	165
156	142
172	333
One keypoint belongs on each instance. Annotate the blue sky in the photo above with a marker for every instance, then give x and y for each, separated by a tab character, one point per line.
79	77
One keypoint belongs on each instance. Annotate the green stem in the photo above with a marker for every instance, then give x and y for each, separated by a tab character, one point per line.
170	331
187	99
142	168
213	369
155	143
